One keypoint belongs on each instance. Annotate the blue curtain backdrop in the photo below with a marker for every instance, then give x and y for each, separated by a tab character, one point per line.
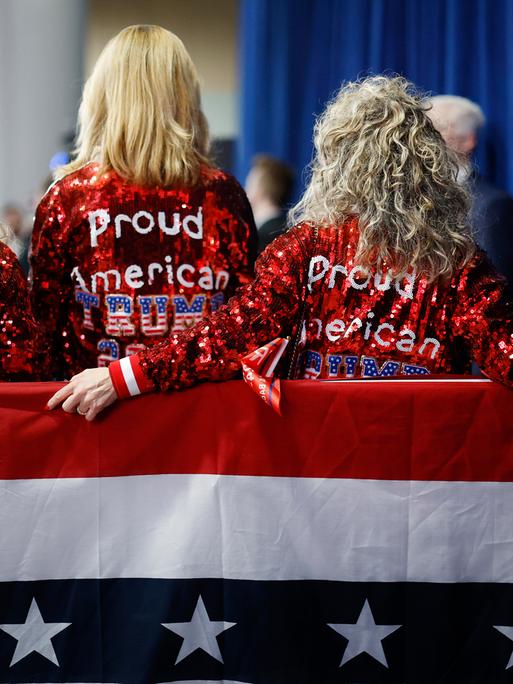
295	54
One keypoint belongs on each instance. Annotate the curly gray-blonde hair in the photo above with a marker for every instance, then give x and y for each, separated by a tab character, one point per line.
379	157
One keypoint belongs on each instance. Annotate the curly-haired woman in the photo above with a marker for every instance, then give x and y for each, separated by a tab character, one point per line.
380	267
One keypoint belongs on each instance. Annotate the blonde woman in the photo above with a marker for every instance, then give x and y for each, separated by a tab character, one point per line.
141	236
380	268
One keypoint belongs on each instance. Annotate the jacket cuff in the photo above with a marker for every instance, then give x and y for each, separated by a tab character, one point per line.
128	378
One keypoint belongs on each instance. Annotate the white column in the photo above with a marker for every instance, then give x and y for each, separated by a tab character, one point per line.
41	71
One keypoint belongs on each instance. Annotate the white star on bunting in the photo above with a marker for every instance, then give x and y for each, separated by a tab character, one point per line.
364	636
200	632
507	631
34	635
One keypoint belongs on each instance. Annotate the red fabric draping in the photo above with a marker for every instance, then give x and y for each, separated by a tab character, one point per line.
415	429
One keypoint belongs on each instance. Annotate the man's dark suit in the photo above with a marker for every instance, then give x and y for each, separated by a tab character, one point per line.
270	230
492	220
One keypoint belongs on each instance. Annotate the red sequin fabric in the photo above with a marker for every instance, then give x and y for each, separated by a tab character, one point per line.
356	323
116	266
18	347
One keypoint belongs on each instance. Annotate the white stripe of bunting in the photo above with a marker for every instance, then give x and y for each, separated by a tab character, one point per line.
256	528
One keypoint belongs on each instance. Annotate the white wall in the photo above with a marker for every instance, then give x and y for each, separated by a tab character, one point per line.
41	65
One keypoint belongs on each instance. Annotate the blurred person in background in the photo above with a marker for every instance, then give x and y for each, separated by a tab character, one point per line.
378	277
141	235
19	238
19	359
459	121
269	186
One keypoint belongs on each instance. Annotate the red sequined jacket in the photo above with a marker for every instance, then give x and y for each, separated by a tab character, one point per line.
116	266
18	347
357	323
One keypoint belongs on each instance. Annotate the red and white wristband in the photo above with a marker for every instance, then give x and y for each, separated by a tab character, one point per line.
128	378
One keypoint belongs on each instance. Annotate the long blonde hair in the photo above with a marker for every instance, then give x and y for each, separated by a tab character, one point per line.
378	157
141	113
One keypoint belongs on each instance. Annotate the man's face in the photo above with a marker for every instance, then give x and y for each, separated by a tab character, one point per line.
252	187
462	144
443	120
14	219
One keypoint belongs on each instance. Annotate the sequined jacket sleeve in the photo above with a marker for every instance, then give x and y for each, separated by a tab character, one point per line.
47	283
18	346
483	319
259	312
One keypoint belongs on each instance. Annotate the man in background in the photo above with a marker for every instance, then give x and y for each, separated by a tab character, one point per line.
19	237
269	186
459	121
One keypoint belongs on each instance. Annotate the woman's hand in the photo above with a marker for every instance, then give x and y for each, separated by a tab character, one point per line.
87	393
